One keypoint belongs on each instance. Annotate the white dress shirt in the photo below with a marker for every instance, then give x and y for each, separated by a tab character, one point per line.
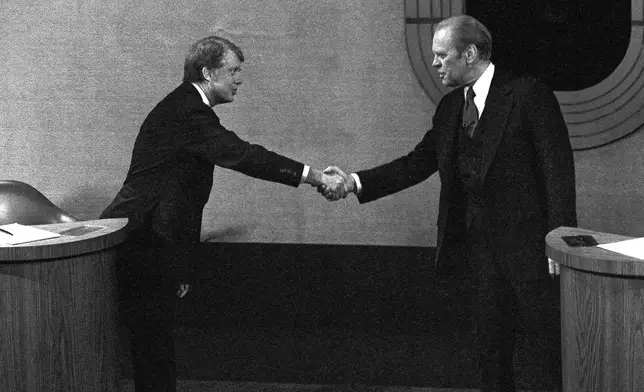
481	88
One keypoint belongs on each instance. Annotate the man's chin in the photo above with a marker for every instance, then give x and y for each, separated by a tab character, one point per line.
448	83
451	85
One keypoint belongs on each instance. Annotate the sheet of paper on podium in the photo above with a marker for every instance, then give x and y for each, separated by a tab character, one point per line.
15	233
632	248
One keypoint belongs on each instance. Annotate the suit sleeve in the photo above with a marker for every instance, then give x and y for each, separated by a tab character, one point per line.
405	171
208	139
556	166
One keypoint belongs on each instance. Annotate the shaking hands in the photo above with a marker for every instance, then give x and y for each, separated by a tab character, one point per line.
332	183
336	184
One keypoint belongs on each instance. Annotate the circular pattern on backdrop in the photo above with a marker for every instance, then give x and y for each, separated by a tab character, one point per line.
595	116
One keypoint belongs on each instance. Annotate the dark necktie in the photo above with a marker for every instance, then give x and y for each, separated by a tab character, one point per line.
470	113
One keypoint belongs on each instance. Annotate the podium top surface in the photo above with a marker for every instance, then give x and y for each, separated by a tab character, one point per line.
592	258
76	238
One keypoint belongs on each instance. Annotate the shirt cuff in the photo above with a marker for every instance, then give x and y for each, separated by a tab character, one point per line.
305	173
358	183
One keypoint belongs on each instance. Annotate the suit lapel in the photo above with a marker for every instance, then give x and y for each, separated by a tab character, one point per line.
498	106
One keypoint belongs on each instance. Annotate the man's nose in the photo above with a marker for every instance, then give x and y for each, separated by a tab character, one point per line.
435	62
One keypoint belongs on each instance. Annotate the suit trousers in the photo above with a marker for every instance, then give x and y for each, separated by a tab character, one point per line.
504	306
147	303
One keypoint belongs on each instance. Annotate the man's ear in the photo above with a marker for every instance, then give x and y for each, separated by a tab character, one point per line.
471	53
209	74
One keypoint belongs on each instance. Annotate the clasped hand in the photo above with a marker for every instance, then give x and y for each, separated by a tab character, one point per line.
336	184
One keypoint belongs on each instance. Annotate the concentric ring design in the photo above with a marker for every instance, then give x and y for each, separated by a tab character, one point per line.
595	116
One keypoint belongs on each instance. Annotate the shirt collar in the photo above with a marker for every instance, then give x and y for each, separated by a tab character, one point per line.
203	95
482	85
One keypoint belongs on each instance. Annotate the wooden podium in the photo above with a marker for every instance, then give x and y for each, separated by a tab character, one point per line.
602	309
58	315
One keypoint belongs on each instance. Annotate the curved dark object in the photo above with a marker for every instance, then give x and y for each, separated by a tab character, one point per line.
22	203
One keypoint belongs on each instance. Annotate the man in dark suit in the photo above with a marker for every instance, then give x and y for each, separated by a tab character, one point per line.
168	183
501	148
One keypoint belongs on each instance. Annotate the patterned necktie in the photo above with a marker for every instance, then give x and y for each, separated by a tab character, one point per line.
470	113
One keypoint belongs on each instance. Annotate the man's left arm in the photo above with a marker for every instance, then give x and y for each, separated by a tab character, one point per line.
556	165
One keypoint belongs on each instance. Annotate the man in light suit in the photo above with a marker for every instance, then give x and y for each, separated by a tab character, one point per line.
501	148
168	183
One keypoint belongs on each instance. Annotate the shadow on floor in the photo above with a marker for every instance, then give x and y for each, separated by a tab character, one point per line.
334	315
443	359
226	386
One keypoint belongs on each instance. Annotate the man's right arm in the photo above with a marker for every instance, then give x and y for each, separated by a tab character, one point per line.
407	170
391	177
204	136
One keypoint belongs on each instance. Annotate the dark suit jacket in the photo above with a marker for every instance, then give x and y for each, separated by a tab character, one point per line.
171	174
526	174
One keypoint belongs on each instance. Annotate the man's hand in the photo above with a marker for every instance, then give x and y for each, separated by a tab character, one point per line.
182	290
333	183
333	186
553	267
345	184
